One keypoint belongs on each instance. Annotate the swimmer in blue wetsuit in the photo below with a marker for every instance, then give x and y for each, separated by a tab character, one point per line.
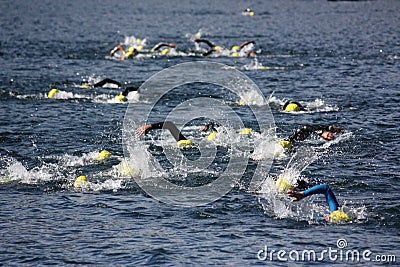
336	214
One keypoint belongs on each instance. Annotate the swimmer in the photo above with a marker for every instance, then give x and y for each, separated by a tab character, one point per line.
323	131
336	213
131	53
244	49
105	82
292	106
248	12
163	44
212	48
181	140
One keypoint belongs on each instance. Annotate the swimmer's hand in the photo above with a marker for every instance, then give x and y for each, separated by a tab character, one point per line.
142	130
296	196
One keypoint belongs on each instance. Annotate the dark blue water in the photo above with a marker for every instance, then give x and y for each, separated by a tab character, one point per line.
342	57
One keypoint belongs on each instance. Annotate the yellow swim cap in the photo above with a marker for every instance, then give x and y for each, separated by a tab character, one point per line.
104	155
52	93
81	181
235	54
121	98
283	184
246	131
184	143
292	107
242	103
339	216
138	40
131	52
212	136
285	144
217	48
251	13
165	51
140	47
85	86
235	48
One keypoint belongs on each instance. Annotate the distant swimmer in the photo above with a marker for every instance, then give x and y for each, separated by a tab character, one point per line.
243	50
131	53
106	81
212	48
166	50
292	106
248	12
323	131
336	214
181	140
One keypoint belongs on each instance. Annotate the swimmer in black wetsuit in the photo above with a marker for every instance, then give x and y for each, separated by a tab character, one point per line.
105	81
292	106
181	140
241	50
162	44
325	132
212	48
131	53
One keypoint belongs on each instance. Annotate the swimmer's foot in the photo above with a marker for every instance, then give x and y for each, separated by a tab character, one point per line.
296	196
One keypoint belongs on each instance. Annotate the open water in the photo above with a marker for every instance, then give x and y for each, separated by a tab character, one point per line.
339	58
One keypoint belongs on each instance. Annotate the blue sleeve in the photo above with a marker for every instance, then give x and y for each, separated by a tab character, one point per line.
329	196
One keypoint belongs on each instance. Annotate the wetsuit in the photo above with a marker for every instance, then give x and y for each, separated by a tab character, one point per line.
305	131
329	196
171	127
211	45
105	81
129	89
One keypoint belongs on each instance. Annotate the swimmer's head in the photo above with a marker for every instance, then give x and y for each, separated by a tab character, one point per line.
218	48
165	51
235	54
212	136
121	98
81	181
131	52
292	107
283	184
339	216
184	144
328	136
235	48
246	131
104	155
285	144
52	93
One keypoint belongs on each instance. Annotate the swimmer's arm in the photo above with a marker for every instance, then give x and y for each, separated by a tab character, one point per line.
247	43
162	44
178	136
129	89
204	41
118	47
106	80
